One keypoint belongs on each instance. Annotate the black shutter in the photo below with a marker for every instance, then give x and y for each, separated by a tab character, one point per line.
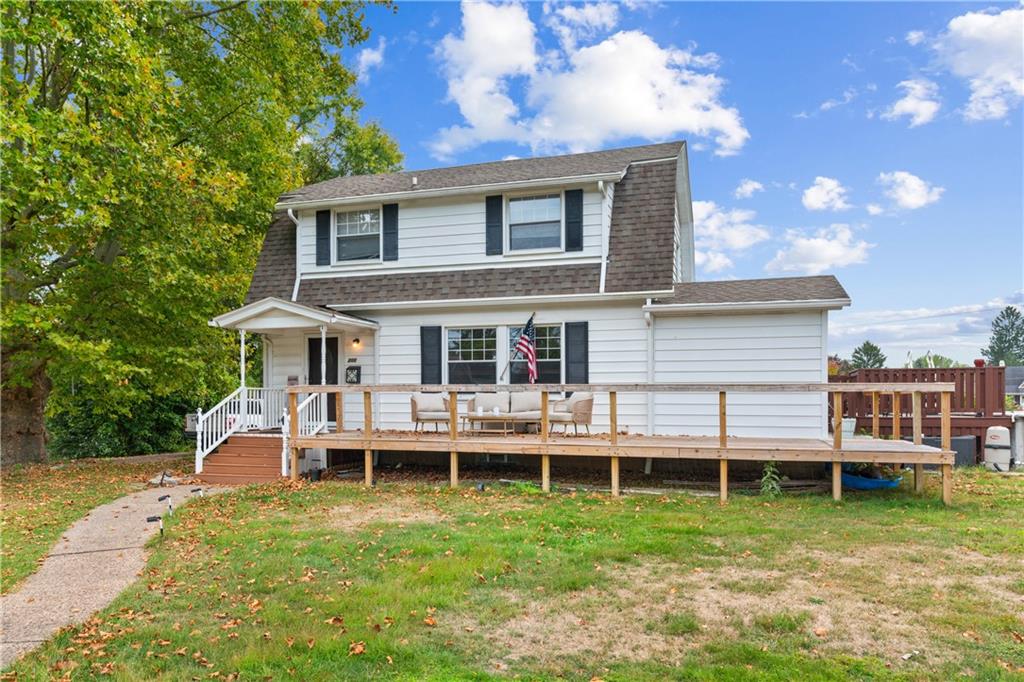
577	353
390	218
323	237
430	355
573	220
495	225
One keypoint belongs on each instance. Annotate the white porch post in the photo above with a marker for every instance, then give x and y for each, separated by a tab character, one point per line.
244	395
323	373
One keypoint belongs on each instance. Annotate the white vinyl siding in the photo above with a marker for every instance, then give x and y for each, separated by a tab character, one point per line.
761	348
448	234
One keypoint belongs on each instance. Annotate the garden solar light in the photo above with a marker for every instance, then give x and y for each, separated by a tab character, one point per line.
155	519
197	490
170	507
480	486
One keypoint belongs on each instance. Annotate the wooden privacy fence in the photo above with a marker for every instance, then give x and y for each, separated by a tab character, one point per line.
977	391
723	448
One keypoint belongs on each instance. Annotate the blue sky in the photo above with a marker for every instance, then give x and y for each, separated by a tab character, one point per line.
880	142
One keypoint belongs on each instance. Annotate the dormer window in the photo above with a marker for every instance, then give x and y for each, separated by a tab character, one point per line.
357	235
535	222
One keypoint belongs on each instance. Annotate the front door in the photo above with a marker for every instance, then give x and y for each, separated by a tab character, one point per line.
332	368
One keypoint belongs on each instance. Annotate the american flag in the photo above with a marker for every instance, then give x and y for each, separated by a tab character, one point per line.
526	346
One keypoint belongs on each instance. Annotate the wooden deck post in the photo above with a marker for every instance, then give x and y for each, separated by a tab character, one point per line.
876	418
897	413
918	439
368	434
722	436
837	421
613	420
339	412
947	444
453	434
723	481
293	421
545	459
837	481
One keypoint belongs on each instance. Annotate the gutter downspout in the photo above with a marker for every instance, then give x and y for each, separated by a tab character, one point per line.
298	275
649	322
605	229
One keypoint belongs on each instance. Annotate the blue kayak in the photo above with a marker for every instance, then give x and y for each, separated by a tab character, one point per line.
854	482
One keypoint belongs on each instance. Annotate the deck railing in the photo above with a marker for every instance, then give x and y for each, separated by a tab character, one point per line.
838	391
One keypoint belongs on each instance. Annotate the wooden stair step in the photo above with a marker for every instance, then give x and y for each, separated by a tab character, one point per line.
249	449
236	479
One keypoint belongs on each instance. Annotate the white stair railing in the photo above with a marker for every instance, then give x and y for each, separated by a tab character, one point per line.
265	406
312	414
214	427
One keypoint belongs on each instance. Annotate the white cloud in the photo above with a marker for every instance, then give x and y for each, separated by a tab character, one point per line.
875	209
831	247
717	228
908	191
849	95
914	37
578	99
957	331
370	58
572	23
746	188
984	48
711	261
920	102
825	194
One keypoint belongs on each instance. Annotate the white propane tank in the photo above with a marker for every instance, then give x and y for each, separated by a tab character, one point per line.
997	448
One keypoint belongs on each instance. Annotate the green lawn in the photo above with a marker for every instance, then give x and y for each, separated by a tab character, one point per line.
332	581
40	501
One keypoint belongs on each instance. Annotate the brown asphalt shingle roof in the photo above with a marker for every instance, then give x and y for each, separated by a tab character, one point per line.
640	248
552	280
514	170
275	268
819	288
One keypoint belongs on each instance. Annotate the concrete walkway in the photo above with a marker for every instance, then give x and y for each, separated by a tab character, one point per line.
97	558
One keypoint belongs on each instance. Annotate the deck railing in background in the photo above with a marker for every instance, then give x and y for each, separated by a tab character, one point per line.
977	391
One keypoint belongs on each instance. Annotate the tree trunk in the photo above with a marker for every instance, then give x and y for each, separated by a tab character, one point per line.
22	420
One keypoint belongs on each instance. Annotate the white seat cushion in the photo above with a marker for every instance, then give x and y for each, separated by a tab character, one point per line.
488	401
560	417
529	414
429	402
525	402
439	415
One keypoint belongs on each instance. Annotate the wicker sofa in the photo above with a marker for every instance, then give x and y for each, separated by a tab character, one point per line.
576	410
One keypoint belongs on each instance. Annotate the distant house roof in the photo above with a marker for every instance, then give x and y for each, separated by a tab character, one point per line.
782	290
1014	379
477	174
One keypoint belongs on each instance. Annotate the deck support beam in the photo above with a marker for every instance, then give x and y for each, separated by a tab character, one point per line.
368	434
918	439
897	413
837	481
545	473
453	434
876	418
837	421
613	421
947	444
545	428
723	481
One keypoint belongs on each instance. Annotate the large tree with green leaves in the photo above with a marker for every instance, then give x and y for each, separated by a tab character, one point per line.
1006	344
937	361
143	146
867	356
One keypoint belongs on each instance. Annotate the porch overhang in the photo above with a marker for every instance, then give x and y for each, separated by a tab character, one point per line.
270	315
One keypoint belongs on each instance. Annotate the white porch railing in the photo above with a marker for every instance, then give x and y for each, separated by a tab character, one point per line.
243	409
312	414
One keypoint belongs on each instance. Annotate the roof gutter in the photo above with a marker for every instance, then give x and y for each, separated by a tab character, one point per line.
451	191
746	306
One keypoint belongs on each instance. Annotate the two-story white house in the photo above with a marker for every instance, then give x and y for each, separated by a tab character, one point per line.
426	277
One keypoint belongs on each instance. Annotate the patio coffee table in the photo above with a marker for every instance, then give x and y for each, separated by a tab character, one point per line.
476	423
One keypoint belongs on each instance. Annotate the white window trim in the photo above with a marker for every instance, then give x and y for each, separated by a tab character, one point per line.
561	352
498	359
507	225
334	236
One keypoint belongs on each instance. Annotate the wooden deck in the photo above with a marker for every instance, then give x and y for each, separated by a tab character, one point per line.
616	446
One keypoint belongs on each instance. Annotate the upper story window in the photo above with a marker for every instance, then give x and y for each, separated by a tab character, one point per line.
535	222
357	235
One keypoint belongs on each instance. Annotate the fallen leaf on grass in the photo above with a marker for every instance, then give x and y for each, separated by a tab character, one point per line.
429	621
356	648
335	620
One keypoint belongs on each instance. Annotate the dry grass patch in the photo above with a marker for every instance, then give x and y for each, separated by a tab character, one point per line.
392	511
845	604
